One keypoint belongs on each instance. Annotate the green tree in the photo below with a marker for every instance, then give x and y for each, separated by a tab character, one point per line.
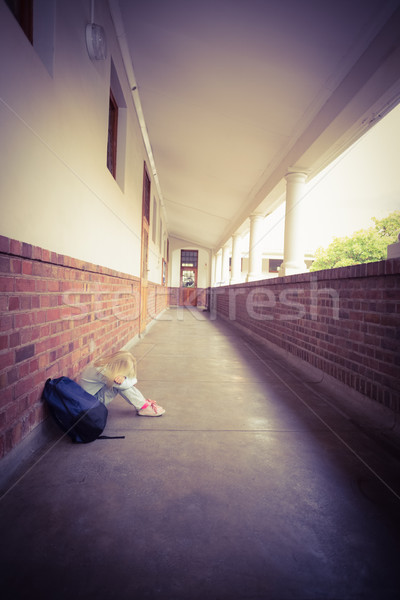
365	245
388	227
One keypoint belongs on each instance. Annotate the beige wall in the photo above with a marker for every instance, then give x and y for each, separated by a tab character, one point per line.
56	191
204	264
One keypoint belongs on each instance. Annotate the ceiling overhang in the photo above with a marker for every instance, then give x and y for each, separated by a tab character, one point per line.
231	95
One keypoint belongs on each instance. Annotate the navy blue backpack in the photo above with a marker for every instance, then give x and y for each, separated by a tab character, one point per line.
78	413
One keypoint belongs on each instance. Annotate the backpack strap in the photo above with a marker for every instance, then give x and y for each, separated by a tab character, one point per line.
111	437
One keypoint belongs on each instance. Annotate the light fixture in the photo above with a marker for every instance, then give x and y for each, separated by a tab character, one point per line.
96	42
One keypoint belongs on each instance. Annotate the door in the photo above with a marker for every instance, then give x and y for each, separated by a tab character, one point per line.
145	250
188	283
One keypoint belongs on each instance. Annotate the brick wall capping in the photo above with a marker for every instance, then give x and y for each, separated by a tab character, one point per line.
372	269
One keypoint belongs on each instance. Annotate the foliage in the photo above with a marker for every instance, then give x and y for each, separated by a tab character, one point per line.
388	227
365	245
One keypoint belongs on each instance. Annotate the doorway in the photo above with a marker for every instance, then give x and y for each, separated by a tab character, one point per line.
188	279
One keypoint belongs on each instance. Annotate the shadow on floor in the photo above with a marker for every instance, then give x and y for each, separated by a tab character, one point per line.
253	485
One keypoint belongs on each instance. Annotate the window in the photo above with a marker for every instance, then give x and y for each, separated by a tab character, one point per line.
23	12
189	258
274	265
112	136
146	196
37	20
154	217
117	129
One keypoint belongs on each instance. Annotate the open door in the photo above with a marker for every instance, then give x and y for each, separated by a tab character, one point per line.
188	287
145	250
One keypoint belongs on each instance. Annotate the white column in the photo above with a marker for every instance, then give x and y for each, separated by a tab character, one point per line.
212	269
225	265
217	273
293	254
255	247
236	266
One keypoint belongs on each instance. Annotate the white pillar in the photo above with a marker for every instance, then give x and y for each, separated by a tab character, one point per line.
293	254
236	265
255	247
212	269
217	275
225	265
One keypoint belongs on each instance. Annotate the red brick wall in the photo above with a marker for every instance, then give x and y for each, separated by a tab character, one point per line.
157	301
176	298
345	322
57	314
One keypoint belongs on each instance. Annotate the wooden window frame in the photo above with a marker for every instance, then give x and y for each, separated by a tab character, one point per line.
154	218
192	252
112	136
23	12
146	200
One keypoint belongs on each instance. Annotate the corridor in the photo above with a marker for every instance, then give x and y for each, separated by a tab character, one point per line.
252	486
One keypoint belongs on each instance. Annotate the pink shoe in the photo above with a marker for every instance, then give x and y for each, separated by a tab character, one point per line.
152	410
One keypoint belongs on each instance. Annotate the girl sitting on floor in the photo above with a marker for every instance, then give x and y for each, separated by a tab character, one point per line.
116	374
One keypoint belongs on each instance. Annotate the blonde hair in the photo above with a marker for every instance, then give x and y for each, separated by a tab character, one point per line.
118	363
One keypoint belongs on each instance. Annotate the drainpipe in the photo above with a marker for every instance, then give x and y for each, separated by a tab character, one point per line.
126	58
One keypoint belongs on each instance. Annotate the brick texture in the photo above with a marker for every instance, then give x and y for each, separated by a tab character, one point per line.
345	322
57	314
176	297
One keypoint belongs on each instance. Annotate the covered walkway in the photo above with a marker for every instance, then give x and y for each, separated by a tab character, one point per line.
251	486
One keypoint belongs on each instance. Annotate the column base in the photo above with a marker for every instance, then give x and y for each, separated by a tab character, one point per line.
255	277
291	268
235	281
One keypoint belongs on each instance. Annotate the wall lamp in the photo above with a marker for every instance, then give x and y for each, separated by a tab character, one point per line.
96	42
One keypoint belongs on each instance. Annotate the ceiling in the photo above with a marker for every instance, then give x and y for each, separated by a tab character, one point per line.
235	92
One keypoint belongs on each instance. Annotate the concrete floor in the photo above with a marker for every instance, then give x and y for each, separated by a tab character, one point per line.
251	486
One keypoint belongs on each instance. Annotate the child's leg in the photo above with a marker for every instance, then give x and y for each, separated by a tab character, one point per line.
145	408
133	396
105	395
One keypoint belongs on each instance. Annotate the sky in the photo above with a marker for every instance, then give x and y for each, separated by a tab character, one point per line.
362	183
